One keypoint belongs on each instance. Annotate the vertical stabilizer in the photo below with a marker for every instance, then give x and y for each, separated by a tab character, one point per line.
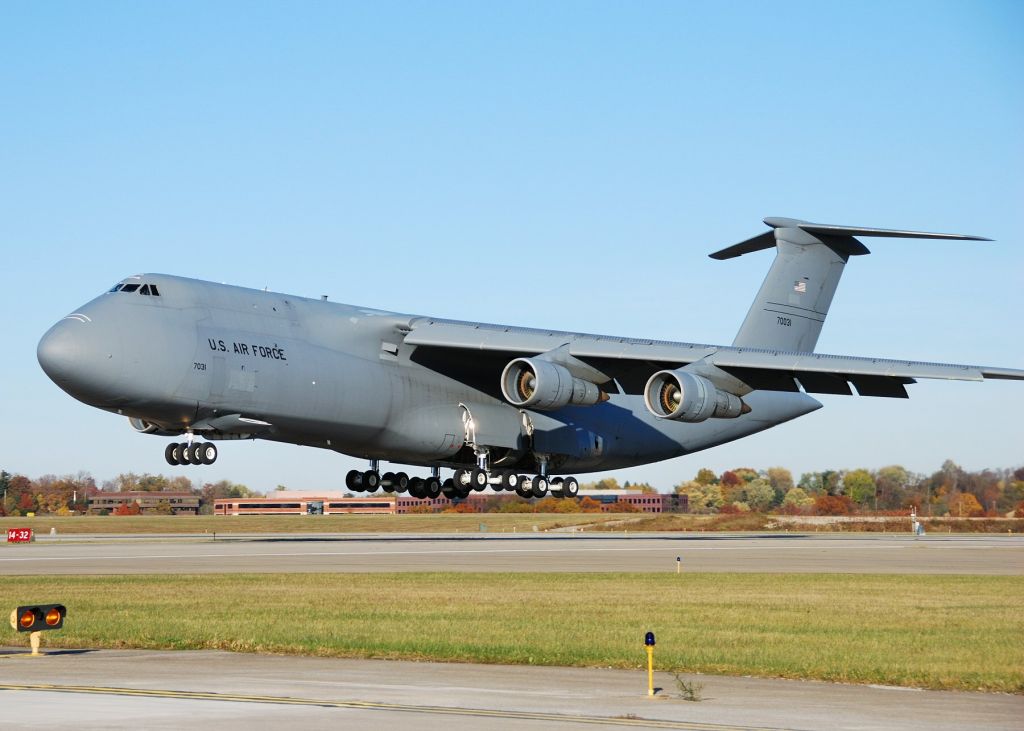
793	301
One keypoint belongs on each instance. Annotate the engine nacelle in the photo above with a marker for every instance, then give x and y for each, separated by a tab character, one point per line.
683	396
148	427
542	385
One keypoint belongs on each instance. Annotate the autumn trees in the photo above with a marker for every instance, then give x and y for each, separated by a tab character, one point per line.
950	490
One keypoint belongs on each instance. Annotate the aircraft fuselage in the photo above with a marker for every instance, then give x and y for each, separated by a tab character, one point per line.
232	362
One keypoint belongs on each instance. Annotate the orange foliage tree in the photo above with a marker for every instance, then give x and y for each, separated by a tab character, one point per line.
965	505
833	505
129	508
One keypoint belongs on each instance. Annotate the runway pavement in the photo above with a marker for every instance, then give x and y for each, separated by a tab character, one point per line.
122	689
796	553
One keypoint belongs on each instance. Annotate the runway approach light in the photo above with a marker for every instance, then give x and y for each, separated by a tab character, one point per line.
649	639
34	619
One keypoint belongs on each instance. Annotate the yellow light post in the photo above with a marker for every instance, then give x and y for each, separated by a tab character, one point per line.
649	645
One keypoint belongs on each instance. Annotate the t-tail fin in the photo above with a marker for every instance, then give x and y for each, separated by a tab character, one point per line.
791	306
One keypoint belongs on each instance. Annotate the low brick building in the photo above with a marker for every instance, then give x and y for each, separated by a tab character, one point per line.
181	503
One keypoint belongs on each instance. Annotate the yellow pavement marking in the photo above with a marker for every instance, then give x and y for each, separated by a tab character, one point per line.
376	706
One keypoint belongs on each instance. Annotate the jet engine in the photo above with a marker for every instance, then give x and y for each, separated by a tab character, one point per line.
542	385
684	396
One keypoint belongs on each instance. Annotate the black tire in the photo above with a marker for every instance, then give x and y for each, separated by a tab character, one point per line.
194	453
401	482
523	489
169	453
387	481
416	487
354	480
432	488
510	481
460	478
570	487
371	480
182	454
539	486
478	480
449	490
207	453
555	487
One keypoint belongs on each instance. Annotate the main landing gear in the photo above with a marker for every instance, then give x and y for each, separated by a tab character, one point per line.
190	453
461	484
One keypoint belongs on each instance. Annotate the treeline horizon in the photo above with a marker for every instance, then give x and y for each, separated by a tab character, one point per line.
950	490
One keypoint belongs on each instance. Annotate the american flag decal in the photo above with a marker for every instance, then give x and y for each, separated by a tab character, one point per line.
800	287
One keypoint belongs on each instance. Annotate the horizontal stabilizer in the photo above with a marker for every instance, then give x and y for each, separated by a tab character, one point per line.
768	238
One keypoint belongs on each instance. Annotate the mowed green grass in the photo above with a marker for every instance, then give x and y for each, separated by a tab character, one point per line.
953	632
226	524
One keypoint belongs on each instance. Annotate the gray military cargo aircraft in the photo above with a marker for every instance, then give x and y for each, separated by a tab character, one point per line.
508	407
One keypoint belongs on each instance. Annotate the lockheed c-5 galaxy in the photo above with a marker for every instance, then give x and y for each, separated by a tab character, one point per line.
508	407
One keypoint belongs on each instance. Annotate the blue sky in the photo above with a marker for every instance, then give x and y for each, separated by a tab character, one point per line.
566	165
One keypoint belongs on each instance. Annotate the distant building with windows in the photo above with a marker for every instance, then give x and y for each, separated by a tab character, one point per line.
181	503
295	502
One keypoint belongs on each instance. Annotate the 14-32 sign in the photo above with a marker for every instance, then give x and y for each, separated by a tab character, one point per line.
19	535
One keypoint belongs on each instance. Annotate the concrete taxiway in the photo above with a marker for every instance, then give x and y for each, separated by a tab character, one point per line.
799	553
122	689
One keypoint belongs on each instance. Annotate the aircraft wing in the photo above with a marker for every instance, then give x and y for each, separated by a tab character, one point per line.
475	354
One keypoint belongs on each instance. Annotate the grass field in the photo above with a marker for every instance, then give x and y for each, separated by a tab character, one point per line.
953	632
411	523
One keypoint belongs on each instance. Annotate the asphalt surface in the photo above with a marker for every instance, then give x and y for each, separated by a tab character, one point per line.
122	689
796	553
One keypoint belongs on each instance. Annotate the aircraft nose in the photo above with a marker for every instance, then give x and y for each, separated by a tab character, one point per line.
58	351
80	357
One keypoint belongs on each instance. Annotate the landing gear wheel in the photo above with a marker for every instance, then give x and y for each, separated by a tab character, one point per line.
416	487
449	490
510	481
183	454
556	487
432	488
401	482
539	488
194	456
387	481
169	455
371	481
523	488
354	480
478	480
570	487
460	478
207	453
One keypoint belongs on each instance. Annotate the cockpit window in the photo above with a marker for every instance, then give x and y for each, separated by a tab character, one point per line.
115	287
144	290
129	287
153	290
